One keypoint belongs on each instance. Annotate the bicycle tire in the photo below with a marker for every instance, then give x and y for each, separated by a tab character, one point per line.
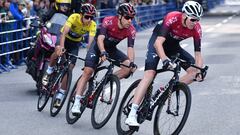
54	111
71	119
182	89
122	110
113	80
42	93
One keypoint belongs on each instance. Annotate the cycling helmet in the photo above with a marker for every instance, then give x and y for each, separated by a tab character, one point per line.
192	9
88	9
65	2
126	9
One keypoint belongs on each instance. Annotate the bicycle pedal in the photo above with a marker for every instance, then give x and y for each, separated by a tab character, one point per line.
135	128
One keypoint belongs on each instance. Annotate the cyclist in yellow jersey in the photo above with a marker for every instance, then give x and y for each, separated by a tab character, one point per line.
71	35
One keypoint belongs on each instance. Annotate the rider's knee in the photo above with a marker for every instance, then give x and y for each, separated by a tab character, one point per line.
87	73
191	72
57	48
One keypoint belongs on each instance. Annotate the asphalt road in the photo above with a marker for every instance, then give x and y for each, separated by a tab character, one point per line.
215	102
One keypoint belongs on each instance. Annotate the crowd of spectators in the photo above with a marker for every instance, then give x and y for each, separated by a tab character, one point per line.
19	9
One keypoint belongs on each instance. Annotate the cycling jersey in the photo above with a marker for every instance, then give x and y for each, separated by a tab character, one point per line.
77	29
174	32
113	35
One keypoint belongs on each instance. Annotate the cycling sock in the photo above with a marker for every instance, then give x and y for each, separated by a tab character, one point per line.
134	109
77	99
49	70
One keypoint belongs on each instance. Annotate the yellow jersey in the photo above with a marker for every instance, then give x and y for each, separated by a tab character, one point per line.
78	29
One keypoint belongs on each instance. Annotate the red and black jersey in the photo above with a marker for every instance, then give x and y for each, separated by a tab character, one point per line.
113	35
174	32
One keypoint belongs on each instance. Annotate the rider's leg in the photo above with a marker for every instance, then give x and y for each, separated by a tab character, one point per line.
189	76
117	54
124	71
91	60
81	86
138	96
190	71
62	91
73	48
49	70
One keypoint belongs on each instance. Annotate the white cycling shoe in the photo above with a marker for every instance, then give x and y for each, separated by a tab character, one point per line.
76	109
132	121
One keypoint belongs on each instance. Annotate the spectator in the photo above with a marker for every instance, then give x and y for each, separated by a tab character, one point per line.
22	7
6	5
15	11
35	8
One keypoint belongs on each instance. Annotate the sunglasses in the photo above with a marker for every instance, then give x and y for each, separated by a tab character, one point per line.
88	17
128	17
194	20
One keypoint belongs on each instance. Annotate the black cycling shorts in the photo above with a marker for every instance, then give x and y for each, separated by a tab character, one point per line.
93	55
73	48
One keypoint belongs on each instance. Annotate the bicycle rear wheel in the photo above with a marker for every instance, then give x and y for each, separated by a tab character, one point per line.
105	102
55	110
171	122
124	110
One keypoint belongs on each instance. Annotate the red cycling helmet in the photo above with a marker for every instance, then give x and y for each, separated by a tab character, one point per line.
126	9
88	9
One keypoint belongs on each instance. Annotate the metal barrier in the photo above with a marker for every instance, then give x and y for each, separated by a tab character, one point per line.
15	36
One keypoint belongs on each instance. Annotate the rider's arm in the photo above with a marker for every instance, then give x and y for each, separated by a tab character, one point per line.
101	37
92	33
131	54
100	43
131	40
90	40
198	59
63	35
197	46
159	47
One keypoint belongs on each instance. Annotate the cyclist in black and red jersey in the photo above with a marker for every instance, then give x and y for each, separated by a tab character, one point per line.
113	30
164	42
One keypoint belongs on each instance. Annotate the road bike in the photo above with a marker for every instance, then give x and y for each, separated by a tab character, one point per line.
101	95
173	103
52	88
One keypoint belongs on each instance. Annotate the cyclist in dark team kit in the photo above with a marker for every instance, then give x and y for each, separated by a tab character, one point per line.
113	30
164	43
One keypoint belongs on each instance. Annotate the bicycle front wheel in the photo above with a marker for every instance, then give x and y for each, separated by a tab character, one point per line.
43	92
105	102
124	110
172	114
55	110
71	119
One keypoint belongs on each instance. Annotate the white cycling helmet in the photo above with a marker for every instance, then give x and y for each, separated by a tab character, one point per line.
192	9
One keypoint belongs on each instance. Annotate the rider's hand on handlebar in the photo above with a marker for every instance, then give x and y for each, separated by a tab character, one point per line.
133	67
60	51
199	77
167	64
104	56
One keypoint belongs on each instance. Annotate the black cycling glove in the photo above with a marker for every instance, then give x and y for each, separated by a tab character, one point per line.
104	53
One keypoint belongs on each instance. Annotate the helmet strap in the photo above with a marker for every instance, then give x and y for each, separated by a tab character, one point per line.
185	21
120	19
